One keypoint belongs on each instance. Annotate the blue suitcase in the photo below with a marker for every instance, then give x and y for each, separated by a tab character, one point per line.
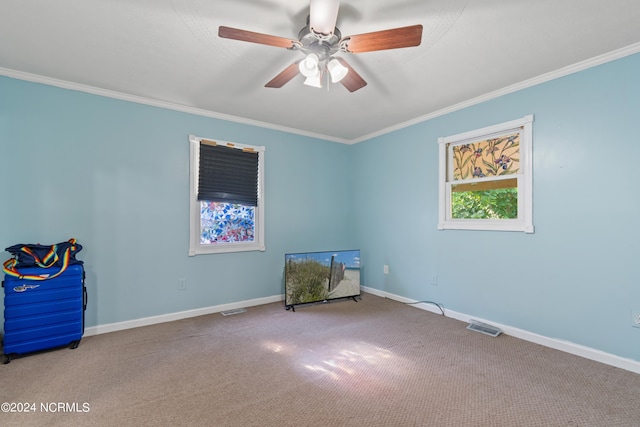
43	314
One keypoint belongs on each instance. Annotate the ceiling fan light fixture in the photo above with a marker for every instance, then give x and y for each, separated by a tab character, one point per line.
309	66
323	15
337	70
315	81
320	40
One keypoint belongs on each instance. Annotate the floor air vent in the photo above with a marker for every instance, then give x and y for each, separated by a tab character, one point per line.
484	328
234	311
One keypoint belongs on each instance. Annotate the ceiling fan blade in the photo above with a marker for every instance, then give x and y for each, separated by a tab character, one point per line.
323	15
386	39
352	81
250	36
287	74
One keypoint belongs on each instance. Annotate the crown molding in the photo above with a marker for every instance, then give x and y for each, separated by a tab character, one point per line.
562	72
64	84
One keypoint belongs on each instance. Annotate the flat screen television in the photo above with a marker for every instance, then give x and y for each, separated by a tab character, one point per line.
321	276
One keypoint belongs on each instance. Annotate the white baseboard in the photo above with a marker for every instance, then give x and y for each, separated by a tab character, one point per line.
145	321
566	346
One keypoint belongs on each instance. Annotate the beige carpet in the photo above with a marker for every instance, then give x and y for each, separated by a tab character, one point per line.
372	363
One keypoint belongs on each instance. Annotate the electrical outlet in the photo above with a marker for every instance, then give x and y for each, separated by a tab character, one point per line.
635	318
386	269
182	284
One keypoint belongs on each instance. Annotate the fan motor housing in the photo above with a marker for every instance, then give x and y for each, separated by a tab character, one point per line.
323	46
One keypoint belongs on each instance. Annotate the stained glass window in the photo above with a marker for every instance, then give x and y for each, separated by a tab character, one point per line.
226	222
486	178
476	163
489	157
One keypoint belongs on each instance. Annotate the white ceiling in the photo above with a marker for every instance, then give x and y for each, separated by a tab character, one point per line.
167	52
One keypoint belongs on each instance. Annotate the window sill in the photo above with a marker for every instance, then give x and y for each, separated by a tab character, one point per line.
499	225
225	248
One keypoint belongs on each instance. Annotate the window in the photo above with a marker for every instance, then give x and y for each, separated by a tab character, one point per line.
486	178
226	197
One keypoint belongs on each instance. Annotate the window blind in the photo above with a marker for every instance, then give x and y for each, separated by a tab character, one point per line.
228	175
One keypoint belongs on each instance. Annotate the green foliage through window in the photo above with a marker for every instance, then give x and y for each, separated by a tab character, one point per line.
485	204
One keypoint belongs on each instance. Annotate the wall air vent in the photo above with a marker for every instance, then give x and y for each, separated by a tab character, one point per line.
234	311
484	328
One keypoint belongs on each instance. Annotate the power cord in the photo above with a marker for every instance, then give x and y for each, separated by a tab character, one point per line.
440	306
437	304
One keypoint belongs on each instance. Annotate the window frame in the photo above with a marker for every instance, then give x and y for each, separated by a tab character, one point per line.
195	247
524	222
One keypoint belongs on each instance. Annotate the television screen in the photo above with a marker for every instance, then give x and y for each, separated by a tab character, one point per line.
321	276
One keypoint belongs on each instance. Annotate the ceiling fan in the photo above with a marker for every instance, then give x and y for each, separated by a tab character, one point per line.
320	40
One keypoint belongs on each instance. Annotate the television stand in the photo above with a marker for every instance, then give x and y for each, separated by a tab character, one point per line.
293	308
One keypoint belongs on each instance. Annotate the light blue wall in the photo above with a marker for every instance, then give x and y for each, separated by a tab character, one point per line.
115	175
577	277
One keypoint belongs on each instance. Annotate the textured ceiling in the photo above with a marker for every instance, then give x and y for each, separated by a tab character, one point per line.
167	52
